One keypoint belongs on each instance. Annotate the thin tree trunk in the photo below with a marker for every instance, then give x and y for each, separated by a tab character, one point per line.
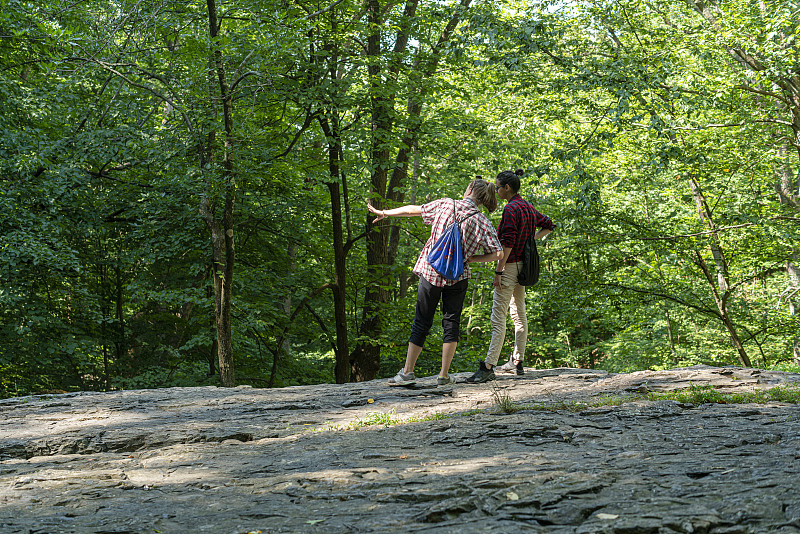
121	344
720	289
793	271
104	312
291	255
331	129
670	336
471	309
342	368
723	312
784	183
716	250
222	230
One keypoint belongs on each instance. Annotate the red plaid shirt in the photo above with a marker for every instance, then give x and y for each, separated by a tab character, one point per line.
519	221
476	233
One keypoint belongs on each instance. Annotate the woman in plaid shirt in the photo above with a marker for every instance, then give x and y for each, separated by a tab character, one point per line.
477	235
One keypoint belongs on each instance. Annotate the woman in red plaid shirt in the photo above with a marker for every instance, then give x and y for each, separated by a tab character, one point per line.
477	235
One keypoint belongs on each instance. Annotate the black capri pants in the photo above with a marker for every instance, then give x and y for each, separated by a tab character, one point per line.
428	296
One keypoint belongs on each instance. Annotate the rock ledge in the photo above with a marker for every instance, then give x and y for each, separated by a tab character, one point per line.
247	460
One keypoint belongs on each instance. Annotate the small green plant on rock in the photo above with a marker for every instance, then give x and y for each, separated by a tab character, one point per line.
786	393
377	418
704	394
503	401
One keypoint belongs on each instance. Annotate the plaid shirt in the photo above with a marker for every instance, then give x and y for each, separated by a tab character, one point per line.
519	221
476	233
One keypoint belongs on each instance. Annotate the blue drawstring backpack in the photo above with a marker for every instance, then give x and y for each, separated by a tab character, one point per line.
446	256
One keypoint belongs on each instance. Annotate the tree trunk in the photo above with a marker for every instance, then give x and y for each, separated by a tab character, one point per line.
720	289
120	347
723	312
793	271
342	368
365	358
784	183
786	189
222	249
716	250
212	327
105	298
471	309
331	129
222	230
670	335
291	255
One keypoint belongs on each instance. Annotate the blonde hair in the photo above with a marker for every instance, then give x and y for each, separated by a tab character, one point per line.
484	193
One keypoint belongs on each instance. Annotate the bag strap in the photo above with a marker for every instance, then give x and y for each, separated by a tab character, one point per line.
455	219
468	216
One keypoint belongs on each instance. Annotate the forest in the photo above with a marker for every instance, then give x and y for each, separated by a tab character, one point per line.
184	185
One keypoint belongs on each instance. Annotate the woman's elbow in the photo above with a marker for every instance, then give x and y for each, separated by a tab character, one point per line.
497	256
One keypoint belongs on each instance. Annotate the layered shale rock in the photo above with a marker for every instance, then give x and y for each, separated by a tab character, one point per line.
247	460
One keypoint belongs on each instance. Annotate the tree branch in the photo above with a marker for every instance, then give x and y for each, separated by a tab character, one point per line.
776	96
110	68
324	10
664	296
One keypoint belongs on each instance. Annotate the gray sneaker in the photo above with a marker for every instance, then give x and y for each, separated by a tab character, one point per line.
507	367
402	379
443	381
511	367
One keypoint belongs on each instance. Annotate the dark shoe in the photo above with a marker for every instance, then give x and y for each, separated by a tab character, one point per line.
484	374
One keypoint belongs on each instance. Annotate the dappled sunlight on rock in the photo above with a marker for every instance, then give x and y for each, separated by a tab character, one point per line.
324	459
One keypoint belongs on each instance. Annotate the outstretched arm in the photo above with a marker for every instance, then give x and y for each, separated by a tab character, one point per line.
409	210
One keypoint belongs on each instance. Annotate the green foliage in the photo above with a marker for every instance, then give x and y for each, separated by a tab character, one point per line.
612	109
503	401
702	394
383	419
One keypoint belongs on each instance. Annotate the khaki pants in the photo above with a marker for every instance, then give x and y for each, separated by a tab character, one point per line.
513	294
